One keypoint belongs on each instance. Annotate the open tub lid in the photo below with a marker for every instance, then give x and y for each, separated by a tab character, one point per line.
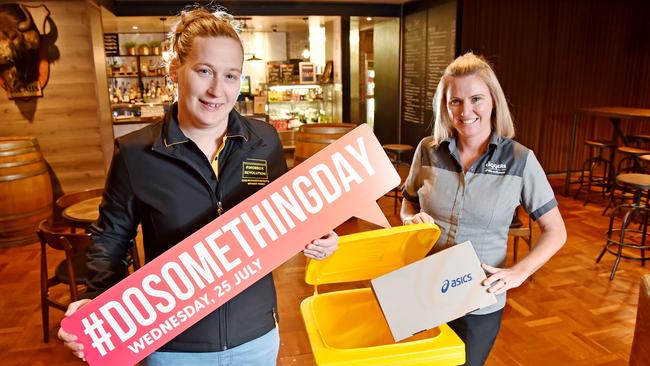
366	255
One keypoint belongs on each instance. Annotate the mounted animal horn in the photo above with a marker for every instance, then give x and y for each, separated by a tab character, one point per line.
27	23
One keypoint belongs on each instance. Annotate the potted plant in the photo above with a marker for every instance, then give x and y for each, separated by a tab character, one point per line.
155	47
130	48
116	67
144	49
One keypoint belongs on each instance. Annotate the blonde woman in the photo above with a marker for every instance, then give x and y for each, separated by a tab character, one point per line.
175	177
469	177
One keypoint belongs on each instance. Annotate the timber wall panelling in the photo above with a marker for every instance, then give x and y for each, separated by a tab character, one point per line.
554	56
66	120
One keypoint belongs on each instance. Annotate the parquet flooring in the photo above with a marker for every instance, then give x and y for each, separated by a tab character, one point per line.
569	314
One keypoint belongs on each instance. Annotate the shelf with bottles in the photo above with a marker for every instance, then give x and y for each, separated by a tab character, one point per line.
124	113
146	101
291	119
152	66
292	105
134	66
291	93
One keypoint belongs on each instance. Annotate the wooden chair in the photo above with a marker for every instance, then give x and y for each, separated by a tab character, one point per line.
640	354
71	271
70	199
519	231
598	169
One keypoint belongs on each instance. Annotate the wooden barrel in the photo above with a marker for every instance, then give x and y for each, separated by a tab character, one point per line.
25	190
312	138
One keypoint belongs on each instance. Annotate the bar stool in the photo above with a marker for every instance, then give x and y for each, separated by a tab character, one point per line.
641	141
644	159
592	165
395	153
625	237
630	155
631	158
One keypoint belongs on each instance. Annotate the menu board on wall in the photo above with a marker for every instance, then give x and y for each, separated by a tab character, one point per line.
273	73
111	46
429	45
287	73
414	63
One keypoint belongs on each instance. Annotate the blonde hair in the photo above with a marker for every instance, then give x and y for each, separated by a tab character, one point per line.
199	21
470	64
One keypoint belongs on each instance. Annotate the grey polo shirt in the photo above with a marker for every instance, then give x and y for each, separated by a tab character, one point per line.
478	205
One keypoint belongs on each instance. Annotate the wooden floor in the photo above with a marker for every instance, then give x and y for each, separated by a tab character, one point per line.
570	314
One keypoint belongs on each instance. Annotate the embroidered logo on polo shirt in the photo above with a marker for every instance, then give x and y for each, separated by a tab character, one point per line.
495	168
255	172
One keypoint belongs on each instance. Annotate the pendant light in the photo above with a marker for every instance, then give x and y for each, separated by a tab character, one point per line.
165	44
244	28
306	54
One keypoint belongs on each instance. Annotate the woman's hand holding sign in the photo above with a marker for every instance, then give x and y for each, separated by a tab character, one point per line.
323	247
69	339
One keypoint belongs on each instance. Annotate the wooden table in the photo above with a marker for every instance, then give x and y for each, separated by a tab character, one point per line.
84	213
615	114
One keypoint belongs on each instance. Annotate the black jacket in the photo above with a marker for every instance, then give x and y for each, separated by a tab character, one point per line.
160	179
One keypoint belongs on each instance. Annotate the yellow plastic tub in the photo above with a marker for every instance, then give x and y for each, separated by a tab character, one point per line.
347	327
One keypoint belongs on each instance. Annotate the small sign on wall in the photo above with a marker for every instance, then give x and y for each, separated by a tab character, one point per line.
111	45
307	74
273	73
287	73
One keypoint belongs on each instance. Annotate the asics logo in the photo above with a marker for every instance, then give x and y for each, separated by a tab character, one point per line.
446	284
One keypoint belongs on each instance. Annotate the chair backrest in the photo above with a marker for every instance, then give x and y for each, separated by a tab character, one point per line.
60	239
70	199
640	354
517	228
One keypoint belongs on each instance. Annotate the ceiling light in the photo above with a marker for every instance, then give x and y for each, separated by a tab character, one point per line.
306	54
253	58
369	19
135	27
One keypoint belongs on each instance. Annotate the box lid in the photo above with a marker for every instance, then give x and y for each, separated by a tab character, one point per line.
370	254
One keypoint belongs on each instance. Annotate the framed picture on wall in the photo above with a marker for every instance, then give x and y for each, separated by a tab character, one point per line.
307	74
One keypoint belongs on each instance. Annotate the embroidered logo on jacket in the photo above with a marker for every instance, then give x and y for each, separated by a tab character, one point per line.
495	168
255	172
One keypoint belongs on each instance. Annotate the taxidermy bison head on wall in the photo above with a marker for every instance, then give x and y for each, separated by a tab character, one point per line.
19	50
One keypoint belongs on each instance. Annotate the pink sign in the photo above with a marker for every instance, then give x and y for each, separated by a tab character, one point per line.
168	295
